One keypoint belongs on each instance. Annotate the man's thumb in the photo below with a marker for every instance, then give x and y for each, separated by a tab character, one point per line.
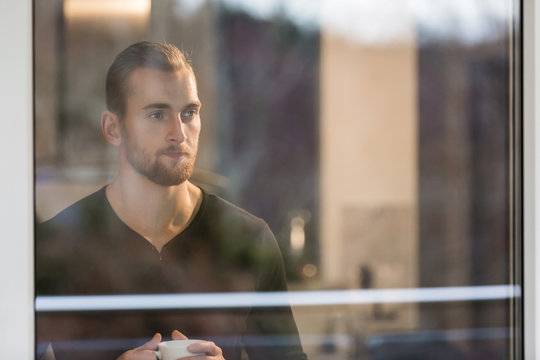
177	335
153	343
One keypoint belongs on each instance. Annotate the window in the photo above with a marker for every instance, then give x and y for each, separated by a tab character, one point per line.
379	140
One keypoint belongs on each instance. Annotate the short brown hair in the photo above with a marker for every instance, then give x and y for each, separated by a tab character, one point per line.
144	54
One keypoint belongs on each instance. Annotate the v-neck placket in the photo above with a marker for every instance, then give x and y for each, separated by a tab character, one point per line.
129	233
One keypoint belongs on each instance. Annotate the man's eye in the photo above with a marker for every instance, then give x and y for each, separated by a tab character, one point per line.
189	113
157	115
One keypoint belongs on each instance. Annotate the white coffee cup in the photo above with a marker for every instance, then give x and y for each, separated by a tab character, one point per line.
175	349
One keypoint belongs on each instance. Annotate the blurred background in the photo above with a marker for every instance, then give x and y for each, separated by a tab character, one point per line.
376	138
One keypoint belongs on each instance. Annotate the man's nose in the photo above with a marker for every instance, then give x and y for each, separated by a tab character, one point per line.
177	133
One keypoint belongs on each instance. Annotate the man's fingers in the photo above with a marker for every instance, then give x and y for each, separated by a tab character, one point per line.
153	343
177	335
144	352
207	347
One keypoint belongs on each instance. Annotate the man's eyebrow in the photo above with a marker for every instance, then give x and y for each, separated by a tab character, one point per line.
156	106
195	104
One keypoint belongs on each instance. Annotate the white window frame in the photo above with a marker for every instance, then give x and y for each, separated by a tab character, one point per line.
16	180
531	177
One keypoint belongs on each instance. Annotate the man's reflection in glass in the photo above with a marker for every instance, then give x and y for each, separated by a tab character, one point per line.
152	231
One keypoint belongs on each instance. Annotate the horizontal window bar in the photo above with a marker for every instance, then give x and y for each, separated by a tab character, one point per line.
270	299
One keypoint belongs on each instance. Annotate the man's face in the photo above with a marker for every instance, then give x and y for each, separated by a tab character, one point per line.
161	126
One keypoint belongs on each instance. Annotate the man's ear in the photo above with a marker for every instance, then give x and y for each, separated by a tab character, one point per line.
111	128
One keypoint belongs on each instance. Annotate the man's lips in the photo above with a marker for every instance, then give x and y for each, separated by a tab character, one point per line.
175	155
174	152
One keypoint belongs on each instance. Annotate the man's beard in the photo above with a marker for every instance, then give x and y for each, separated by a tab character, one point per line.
154	170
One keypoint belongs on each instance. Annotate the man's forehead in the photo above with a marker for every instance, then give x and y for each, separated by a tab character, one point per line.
147	81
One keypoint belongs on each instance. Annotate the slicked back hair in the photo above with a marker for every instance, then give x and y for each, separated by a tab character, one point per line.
144	54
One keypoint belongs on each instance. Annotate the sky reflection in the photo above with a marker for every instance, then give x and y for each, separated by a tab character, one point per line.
386	21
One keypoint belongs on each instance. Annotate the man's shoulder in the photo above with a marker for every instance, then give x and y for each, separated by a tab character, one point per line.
220	209
79	215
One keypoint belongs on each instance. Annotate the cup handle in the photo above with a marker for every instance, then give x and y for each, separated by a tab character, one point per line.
158	355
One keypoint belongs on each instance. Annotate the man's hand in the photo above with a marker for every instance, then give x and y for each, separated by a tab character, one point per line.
145	352
212	351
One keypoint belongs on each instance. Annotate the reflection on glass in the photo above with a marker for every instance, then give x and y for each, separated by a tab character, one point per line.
374	137
80	9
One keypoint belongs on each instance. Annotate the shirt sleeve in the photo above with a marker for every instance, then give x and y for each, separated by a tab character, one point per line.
271	332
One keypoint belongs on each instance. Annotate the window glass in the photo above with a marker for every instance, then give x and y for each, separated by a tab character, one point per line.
379	140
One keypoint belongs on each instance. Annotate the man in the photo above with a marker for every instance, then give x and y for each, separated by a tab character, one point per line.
152	231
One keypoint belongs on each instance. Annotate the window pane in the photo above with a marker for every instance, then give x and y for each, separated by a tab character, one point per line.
377	139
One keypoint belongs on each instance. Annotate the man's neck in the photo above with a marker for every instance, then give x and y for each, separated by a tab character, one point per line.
158	213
